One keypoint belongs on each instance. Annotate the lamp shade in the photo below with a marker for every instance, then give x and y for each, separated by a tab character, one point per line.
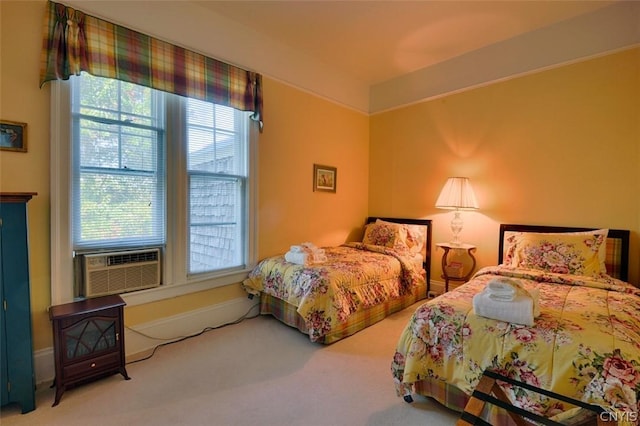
457	194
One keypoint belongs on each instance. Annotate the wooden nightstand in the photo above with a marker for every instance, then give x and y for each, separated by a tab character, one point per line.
88	341
452	271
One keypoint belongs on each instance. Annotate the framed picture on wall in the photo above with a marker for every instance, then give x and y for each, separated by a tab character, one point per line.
324	178
13	136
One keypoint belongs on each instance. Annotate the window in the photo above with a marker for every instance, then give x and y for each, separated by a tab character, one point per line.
217	169
149	168
119	172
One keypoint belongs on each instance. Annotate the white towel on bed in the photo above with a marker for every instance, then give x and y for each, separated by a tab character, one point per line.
522	309
298	258
305	254
303	247
503	289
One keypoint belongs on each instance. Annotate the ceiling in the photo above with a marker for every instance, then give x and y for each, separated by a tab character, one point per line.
376	41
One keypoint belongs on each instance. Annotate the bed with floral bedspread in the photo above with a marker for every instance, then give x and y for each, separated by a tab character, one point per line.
358	285
585	344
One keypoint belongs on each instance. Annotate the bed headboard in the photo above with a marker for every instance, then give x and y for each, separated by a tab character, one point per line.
617	260
425	222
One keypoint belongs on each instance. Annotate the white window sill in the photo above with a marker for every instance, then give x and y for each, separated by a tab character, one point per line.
175	290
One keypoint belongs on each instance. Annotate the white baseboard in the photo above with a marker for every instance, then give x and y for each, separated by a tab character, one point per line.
43	367
436	287
168	329
186	324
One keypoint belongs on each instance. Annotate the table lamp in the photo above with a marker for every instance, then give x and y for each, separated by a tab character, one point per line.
457	195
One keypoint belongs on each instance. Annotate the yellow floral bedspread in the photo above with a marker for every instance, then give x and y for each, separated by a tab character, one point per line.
585	344
354	276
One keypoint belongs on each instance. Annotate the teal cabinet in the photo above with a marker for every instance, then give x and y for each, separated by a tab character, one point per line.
16	347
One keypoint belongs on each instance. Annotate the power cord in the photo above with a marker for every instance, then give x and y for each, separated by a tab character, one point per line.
183	338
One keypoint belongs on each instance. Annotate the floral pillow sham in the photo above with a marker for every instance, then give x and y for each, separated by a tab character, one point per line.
398	236
384	234
580	253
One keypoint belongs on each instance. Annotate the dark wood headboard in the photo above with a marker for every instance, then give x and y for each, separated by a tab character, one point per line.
617	244
425	222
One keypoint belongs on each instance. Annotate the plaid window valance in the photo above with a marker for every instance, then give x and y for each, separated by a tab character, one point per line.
74	41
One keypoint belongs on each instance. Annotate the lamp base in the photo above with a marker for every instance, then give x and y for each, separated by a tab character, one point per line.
456	242
456	227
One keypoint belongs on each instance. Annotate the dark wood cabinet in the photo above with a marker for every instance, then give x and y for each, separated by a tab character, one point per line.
16	346
88	341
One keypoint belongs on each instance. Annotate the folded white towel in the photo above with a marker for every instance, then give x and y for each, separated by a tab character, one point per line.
502	297
297	258
498	286
306	256
521	310
303	247
504	289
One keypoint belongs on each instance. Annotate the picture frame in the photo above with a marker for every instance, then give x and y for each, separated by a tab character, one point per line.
324	178
13	136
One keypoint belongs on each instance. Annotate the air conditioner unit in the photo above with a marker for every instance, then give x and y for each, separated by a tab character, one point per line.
120	272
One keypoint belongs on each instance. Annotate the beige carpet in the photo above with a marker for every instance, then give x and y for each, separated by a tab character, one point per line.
256	372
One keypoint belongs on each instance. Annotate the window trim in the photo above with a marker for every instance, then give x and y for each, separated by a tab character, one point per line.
85	117
62	287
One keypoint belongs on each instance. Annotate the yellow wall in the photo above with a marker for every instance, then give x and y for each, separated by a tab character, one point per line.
21	100
300	130
559	147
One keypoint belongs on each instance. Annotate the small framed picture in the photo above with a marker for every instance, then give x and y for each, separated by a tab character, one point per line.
324	178
13	136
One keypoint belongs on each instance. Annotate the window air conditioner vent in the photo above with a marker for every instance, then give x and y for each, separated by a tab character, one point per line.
120	272
133	257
